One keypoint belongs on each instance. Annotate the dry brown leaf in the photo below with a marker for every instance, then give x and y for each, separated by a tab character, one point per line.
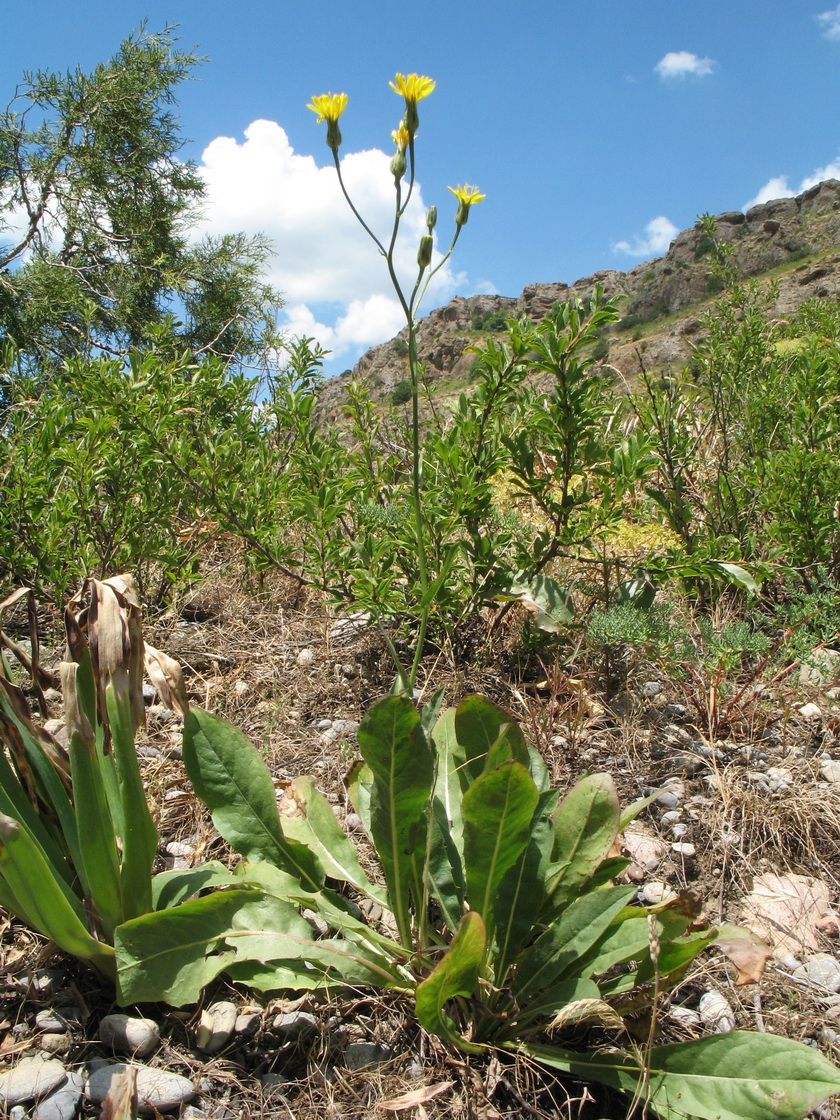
784	910
167	678
121	1099
746	951
416	1097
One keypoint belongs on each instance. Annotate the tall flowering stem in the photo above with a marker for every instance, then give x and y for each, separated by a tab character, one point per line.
329	107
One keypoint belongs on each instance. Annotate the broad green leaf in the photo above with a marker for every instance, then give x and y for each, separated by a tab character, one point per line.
456	975
98	855
444	868
487	736
498	810
401	760
585	828
673	958
552	1000
522	889
738	575
551	605
231	779
736	1076
308	818
14	803
554	955
358	783
172	954
45	901
448	781
170	888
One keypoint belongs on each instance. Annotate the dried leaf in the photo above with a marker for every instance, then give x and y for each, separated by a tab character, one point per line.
416	1097
587	1010
746	951
784	909
166	676
121	1099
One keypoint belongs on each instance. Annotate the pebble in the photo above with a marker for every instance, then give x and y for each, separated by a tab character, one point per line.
52	1043
687	851
52	696
305	658
830	770
675	711
360	1055
779	778
241	688
43	982
247	1023
655	892
821	969
354	823
716	1013
685	1016
323	725
218	1022
668	800
129	1035
62	1103
17	1113
345	726
651	689
679	830
49	1021
294	1025
671	817
30	1079
156	1088
149	694
54	726
810	712
688	765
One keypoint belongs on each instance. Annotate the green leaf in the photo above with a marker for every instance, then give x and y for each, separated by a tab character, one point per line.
172	954
358	783
487	736
171	888
231	779
498	810
456	975
585	827
444	872
738	575
308	818
554	955
400	757
551	605
741	1075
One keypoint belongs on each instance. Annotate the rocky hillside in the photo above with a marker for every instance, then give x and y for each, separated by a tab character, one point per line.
795	239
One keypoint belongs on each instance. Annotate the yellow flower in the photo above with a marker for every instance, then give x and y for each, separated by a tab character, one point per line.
467	196
413	87
328	106
400	137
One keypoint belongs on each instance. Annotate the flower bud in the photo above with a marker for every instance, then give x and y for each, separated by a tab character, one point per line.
333	135
431	218
424	253
398	165
412	119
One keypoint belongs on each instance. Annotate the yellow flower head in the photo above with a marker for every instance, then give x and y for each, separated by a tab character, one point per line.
413	87
400	137
328	106
467	196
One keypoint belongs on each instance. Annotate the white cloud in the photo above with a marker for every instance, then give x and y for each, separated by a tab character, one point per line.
830	22
660	233
328	269
679	64
777	187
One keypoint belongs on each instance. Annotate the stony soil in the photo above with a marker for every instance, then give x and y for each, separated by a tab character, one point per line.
758	798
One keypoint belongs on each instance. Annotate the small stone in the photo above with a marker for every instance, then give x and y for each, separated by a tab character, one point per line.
31	1079
685	1016
655	892
159	716
830	770
688	765
779	778
651	689
679	829
305	658
180	850
52	1043
156	1088
192	1112
241	688
17	1113
687	851
668	800
716	1013
811	713
54	726
52	696
323	725
294	1025
675	711
247	1023
821	667
329	735
354	823
829	924
361	1055
48	1020
822	969
345	726
129	1035
62	1103
149	694
671	817
218	1022
43	982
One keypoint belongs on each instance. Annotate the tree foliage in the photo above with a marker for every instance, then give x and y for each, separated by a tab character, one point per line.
96	213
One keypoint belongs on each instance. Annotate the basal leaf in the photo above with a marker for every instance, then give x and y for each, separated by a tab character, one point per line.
456	975
585	827
736	1076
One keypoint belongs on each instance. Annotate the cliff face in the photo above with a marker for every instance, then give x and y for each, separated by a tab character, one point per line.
770	235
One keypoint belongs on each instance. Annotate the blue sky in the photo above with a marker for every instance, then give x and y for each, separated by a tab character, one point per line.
596	128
